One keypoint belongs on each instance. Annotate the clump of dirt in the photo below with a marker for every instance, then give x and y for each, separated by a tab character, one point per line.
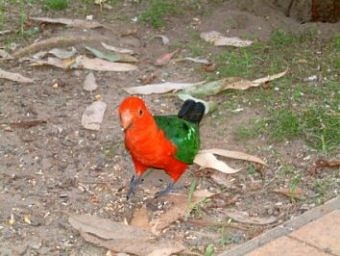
258	19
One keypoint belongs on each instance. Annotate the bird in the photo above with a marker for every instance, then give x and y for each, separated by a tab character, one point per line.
165	142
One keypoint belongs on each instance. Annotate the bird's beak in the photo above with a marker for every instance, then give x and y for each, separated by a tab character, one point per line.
125	120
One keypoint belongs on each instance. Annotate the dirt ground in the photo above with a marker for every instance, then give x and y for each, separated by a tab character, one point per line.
55	169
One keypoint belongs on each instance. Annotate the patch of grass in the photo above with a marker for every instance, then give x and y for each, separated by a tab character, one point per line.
252	130
294	183
2	13
209	250
196	50
318	126
287	170
236	63
280	38
251	170
157	11
226	237
322	187
321	128
337	41
56	5
283	124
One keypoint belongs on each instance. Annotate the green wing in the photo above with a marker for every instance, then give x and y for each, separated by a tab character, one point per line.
183	134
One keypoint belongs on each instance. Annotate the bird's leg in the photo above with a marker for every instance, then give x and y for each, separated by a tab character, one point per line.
165	191
135	181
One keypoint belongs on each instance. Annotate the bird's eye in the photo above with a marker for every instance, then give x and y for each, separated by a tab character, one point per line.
140	112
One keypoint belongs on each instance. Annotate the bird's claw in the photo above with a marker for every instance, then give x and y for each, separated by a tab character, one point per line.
134	182
165	191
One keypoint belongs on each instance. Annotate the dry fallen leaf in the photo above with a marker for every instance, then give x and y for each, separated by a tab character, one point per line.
199	60
159	88
93	115
296	193
90	82
235	83
165	39
63	54
107	229
101	65
55	62
202	89
234	155
119	237
117	49
16	77
137	246
165	58
113	57
243	217
215	87
219	40
321	163
208	160
268	78
86	24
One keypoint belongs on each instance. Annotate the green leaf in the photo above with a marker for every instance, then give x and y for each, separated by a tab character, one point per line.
104	55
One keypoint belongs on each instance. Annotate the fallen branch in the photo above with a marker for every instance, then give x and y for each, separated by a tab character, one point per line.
59	41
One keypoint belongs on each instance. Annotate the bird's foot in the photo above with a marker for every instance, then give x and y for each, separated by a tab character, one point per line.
135	181
165	191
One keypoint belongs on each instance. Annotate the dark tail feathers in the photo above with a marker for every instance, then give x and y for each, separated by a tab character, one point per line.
192	111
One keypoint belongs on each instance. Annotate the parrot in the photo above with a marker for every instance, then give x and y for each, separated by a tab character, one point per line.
163	142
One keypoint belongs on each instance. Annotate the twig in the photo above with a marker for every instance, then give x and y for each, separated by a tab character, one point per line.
96	182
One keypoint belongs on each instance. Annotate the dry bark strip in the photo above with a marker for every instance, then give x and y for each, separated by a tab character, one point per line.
27	124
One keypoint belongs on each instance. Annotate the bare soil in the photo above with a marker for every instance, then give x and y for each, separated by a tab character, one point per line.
56	169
